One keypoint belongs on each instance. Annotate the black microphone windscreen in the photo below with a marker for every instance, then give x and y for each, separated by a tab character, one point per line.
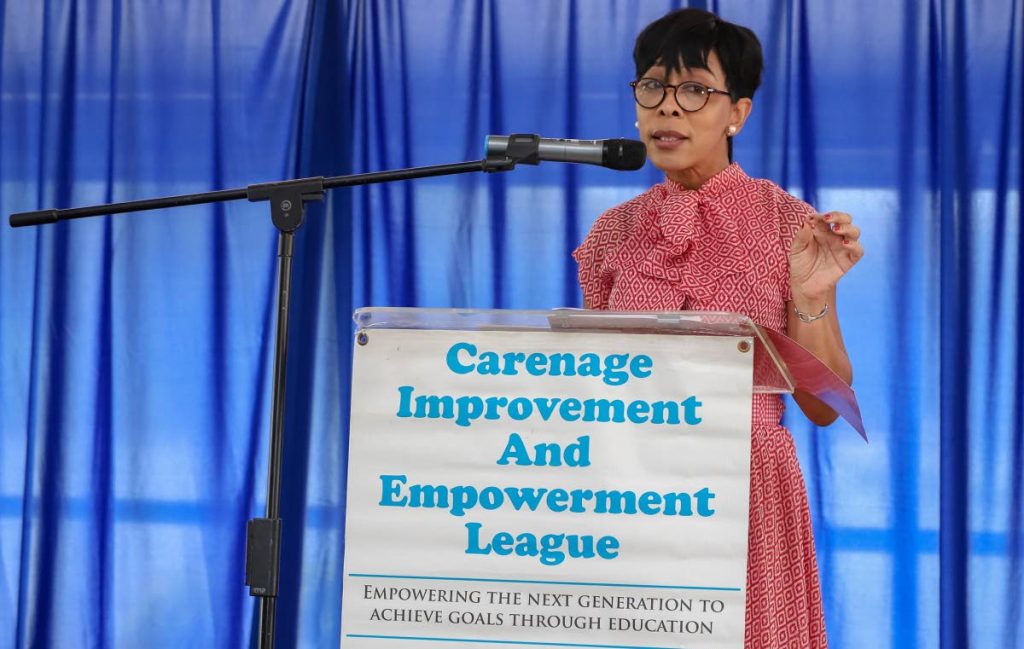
624	155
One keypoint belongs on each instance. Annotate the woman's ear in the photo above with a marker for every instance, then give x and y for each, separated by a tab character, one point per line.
740	112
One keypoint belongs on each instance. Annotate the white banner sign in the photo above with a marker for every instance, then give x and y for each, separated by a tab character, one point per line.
547	489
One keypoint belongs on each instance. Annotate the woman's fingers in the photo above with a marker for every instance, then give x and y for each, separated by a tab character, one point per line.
842	224
803	238
836	217
847	230
834	229
853	250
838	229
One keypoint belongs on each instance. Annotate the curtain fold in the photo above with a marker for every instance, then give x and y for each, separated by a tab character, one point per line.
136	351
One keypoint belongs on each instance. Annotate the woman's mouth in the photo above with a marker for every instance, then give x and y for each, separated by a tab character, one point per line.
668	139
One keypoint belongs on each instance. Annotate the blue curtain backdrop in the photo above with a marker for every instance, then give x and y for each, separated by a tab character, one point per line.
135	351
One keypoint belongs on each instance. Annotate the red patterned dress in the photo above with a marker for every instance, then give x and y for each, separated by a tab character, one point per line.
724	247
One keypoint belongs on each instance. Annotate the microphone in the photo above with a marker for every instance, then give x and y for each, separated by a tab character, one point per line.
620	154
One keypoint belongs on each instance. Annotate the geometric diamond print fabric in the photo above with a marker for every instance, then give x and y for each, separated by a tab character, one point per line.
725	247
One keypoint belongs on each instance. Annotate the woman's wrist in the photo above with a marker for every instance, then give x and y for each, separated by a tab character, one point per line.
810	316
809	302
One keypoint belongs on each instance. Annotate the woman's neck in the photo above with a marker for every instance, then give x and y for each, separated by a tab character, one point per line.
694	177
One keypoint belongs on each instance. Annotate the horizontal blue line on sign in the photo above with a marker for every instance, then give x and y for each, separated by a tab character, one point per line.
537	581
513	642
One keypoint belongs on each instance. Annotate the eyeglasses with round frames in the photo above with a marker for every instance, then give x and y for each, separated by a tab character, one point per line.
689	95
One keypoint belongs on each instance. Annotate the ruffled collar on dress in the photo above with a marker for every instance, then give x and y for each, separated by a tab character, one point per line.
681	219
680	238
724	181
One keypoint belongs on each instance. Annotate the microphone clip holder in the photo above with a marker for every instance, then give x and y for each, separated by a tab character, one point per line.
288	199
523	148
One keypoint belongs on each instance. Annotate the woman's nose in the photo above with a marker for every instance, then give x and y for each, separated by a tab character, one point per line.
672	107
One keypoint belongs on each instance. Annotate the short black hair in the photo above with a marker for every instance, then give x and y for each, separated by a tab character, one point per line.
686	37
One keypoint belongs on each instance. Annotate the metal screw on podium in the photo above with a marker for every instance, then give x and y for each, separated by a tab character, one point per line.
743	346
362	338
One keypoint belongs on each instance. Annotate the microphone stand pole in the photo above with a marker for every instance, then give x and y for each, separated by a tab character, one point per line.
288	200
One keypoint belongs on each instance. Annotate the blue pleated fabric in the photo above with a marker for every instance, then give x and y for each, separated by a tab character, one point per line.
136	351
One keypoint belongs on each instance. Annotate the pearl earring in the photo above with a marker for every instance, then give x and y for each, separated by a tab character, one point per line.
636	124
731	131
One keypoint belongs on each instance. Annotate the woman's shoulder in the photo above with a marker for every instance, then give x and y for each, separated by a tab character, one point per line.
788	211
626	213
613	227
788	206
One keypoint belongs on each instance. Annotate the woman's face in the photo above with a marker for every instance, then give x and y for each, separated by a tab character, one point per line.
691	147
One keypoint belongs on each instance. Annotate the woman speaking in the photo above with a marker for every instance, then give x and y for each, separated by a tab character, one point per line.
712	238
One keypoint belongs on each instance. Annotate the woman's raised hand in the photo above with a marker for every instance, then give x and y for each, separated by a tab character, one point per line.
823	250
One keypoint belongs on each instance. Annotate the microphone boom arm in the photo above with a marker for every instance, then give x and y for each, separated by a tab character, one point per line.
309	188
287	200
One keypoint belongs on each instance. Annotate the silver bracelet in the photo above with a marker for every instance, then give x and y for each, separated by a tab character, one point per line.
807	317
